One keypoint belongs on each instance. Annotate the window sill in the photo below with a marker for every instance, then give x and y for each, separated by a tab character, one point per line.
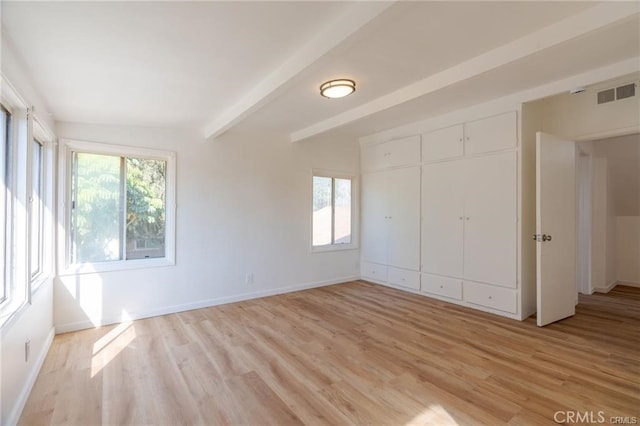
10	313
114	266
334	247
38	281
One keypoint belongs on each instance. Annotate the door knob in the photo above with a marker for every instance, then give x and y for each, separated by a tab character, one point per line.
546	237
541	237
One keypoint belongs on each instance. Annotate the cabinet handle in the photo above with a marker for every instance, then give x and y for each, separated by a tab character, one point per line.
441	287
490	297
468	218
460	218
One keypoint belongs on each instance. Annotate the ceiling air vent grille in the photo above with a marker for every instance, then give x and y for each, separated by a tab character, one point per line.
617	93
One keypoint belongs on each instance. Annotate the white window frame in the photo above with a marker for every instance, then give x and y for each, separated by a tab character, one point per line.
5	213
47	220
67	147
355	225
16	218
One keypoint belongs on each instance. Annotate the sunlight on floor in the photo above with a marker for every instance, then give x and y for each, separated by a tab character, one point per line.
433	415
111	344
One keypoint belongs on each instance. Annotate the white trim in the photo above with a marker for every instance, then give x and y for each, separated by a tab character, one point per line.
67	146
14	416
607	288
172	309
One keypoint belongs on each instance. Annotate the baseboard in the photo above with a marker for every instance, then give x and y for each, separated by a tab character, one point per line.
629	283
14	416
607	288
81	325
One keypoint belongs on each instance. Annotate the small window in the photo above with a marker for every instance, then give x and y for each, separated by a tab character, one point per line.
333	211
37	208
5	198
118	208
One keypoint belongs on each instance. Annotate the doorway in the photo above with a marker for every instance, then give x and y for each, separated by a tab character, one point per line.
608	201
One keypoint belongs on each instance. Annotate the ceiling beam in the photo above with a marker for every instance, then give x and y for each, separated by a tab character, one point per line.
592	19
273	84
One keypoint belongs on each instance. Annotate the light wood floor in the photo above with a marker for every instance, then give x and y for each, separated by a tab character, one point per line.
347	354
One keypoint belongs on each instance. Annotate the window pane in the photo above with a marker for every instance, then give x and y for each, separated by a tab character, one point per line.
321	211
5	167
96	208
342	224
145	208
36	209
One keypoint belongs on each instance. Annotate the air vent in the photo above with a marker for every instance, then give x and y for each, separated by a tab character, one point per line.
605	96
626	91
617	93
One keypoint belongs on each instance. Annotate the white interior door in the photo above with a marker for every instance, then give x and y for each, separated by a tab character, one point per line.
555	228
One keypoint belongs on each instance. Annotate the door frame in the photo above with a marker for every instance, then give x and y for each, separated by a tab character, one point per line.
584	211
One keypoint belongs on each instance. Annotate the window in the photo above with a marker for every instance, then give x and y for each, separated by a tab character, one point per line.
118	205
37	209
333	211
5	200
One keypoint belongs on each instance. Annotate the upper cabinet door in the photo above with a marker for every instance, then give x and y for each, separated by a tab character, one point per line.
403	186
403	152
491	134
374	157
490	220
396	153
442	218
443	144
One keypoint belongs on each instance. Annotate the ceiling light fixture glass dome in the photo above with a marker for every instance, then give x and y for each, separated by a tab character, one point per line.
337	88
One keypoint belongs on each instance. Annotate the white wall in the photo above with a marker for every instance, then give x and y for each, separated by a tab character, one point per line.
244	206
628	249
578	117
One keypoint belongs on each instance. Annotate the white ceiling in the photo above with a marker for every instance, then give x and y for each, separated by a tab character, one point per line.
258	65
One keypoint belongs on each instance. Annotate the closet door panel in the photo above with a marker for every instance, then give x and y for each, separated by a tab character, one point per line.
403	152
443	143
491	134
374	217
490	225
403	186
442	214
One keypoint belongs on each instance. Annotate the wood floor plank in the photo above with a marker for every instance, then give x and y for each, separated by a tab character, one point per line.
354	353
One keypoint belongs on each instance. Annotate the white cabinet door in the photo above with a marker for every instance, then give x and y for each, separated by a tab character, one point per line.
490	220
403	152
375	215
404	222
374	157
399	152
491	134
442	218
443	144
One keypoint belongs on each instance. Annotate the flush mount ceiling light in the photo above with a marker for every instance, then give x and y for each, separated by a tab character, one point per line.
337	88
